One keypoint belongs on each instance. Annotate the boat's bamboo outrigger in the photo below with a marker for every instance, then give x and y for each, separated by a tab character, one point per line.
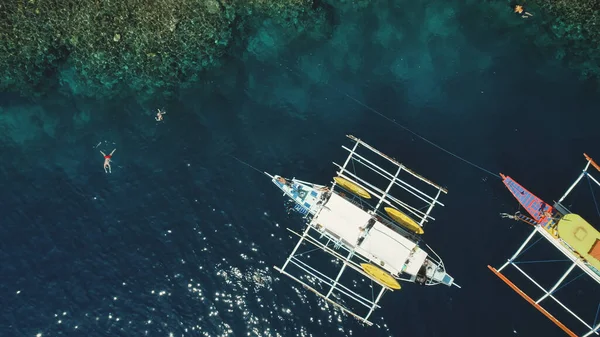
574	237
362	237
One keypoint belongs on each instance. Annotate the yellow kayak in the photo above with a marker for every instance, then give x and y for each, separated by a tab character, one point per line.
380	275
352	187
404	220
582	237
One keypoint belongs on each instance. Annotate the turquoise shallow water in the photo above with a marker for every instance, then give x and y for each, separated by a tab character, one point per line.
171	242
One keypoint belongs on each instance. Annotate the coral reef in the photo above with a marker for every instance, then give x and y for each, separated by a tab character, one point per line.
575	32
107	48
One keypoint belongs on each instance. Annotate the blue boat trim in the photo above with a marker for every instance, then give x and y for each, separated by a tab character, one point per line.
535	206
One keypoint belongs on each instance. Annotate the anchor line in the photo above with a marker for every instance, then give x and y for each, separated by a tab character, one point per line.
400	125
245	163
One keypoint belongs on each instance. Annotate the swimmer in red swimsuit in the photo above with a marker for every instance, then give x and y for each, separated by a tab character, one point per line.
107	157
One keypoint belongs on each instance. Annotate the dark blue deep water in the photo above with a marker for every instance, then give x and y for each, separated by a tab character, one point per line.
171	243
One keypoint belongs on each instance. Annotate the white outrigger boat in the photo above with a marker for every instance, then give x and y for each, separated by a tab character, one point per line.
347	222
571	235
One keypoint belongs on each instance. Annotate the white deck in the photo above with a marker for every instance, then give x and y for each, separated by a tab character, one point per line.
342	218
416	261
383	246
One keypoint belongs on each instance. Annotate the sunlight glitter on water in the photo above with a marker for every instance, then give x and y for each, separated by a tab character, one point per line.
252	281
224	298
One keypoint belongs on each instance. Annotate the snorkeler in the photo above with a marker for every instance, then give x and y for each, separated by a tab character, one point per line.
107	158
519	9
159	115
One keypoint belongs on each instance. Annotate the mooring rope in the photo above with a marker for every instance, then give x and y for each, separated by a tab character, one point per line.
366	106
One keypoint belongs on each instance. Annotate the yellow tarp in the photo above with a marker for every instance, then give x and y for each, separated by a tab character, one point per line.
580	235
380	275
404	220
352	187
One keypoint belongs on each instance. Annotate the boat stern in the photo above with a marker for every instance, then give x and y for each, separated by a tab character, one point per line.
432	273
440	276
444	278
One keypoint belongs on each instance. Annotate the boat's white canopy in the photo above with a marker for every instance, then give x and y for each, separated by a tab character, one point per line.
384	246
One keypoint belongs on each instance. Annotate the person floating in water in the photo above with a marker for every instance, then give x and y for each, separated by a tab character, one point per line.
284	181
107	159
519	9
159	115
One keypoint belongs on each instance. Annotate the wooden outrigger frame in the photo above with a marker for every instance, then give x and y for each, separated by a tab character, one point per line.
541	226
346	252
